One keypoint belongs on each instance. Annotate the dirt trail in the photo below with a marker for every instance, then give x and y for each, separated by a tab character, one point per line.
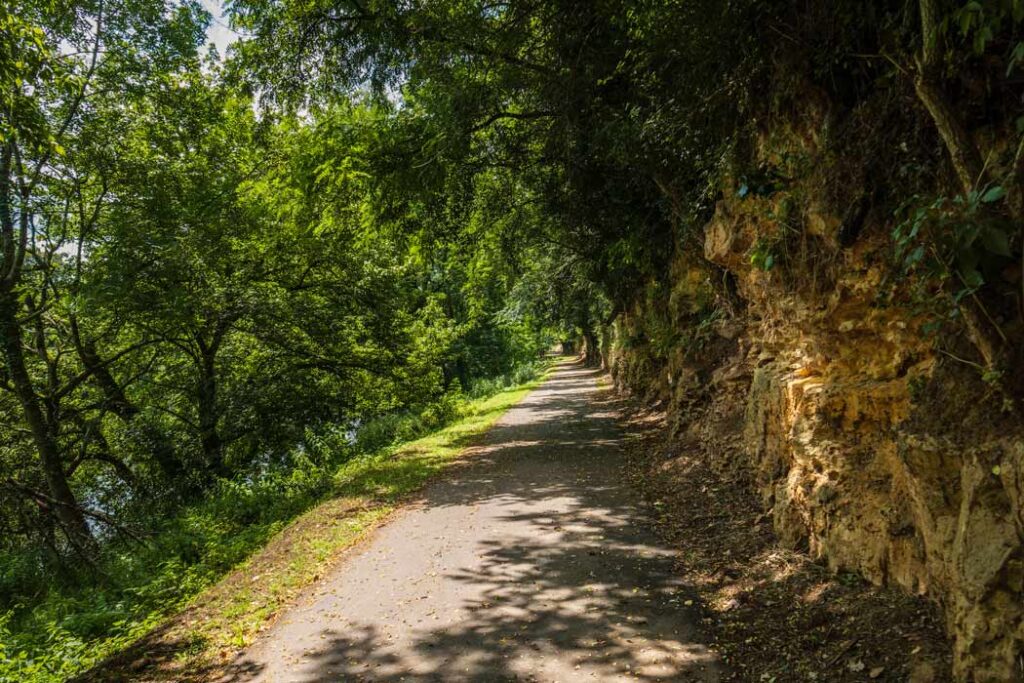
532	563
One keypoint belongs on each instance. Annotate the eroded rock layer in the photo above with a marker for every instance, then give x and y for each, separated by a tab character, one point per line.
799	362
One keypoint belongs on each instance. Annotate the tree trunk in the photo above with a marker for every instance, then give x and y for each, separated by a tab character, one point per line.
962	151
209	437
119	404
162	450
966	160
115	399
66	509
592	348
928	84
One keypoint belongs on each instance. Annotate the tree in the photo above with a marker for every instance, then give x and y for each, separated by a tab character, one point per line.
59	62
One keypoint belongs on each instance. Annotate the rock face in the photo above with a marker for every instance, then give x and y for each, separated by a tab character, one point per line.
811	379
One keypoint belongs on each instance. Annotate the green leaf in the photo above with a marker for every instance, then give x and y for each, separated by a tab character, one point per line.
1015	58
972	278
994	194
995	241
966	19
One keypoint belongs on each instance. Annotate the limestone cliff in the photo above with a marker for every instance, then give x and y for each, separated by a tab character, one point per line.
796	360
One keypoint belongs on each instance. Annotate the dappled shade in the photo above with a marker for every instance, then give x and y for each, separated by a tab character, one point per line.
531	561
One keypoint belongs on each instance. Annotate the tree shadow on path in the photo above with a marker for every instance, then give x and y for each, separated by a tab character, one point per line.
547	571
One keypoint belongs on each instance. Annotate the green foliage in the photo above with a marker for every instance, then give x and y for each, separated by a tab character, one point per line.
959	238
74	627
762	255
211	306
982	22
224	283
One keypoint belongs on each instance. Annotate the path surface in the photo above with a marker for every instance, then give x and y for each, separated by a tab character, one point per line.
531	563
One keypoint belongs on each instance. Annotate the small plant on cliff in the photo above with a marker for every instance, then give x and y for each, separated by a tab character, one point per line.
762	255
956	246
954	238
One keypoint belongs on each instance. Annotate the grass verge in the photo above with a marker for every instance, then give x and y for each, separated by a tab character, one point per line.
193	635
369	490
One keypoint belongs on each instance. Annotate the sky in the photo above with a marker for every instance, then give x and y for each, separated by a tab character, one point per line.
219	33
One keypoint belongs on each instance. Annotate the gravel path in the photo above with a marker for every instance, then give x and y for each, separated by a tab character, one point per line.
531	563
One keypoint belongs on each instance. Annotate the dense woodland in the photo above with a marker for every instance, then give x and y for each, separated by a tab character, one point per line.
223	275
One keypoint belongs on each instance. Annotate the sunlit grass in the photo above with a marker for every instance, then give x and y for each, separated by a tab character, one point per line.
203	613
369	489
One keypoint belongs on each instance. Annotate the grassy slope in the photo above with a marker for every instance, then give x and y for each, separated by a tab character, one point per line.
369	489
190	638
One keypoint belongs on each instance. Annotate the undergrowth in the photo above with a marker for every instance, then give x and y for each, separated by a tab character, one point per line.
138	585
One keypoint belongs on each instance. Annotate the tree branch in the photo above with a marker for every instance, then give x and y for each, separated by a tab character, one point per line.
518	116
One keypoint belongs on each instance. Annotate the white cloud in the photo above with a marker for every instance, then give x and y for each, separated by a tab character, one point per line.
219	33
